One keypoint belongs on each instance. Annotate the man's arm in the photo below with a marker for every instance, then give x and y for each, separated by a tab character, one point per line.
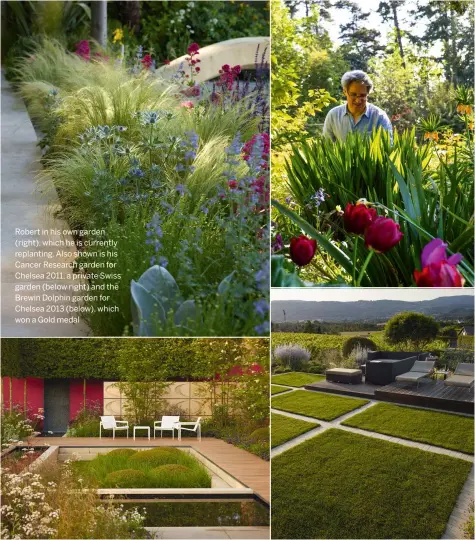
386	124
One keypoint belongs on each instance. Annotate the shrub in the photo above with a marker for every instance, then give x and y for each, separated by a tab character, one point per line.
413	328
358	341
180	476
126	478
260	435
122	452
452	357
282	369
293	356
157	456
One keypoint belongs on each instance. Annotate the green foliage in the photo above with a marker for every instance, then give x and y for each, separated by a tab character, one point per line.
316	404
357	341
260	435
155	468
15	426
429	427
169	27
415	329
126	478
335	495
398	181
285	429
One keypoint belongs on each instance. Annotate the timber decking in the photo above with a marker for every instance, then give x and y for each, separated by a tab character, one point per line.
431	394
249	469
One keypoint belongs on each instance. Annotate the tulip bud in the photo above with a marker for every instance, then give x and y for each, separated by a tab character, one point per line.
383	234
302	250
358	217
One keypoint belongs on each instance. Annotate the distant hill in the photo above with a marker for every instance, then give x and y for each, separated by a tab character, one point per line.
445	307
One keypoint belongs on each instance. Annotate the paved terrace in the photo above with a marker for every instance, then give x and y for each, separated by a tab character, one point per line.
249	469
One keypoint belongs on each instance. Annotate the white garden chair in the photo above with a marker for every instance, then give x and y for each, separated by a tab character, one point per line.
167	423
109	422
192	426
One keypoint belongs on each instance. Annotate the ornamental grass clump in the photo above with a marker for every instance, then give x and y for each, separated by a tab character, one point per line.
293	356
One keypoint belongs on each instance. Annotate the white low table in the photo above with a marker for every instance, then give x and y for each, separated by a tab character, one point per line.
142	427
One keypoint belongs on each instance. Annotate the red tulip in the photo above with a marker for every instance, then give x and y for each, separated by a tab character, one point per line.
439	274
383	234
358	217
302	250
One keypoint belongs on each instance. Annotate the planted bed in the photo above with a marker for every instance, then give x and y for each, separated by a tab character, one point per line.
284	429
163	467
431	427
316	404
344	485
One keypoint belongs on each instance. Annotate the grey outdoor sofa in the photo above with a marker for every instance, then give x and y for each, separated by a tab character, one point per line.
382	367
419	371
463	376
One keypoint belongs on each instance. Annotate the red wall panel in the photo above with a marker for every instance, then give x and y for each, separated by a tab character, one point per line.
94	395
76	397
35	394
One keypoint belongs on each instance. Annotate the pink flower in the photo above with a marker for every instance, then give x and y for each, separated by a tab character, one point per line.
382	234
197	69
439	274
437	269
434	252
166	62
83	50
191	91
147	61
232	184
358	217
226	68
193	48
187	104
236	70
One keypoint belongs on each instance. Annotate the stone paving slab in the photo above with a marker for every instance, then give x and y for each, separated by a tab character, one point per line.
27	206
209	533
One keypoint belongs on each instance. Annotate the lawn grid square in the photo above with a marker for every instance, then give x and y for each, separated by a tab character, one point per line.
316	404
345	485
278	389
296	379
436	428
284	429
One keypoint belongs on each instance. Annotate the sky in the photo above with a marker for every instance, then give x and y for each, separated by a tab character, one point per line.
347	294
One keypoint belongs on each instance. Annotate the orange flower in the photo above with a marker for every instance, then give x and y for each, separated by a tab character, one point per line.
431	136
464	109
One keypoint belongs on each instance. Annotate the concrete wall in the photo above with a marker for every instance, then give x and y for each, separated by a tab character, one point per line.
241	51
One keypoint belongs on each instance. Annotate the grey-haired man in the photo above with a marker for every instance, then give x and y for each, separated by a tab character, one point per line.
356	114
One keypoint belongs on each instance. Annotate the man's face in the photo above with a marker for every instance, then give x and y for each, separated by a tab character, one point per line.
356	95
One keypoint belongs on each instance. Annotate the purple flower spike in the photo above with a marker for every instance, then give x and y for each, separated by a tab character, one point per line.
435	252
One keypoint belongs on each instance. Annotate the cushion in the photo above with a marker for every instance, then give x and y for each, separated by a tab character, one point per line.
344	371
423	367
460	380
464	369
410	376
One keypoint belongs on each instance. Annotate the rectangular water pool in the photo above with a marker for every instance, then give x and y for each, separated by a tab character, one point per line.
204	513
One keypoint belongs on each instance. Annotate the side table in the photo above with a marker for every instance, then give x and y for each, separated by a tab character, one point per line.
142	427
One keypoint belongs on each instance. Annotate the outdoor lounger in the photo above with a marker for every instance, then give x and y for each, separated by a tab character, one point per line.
419	370
463	376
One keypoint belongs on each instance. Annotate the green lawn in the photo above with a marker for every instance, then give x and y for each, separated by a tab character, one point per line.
284	429
344	485
437	428
278	389
316	404
296	379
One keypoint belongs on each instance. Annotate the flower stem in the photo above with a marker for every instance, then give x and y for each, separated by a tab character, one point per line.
355	254
362	271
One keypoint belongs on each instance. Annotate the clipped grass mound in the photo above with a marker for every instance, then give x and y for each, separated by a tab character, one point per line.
127	478
156	457
122	452
180	476
358	341
260	435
